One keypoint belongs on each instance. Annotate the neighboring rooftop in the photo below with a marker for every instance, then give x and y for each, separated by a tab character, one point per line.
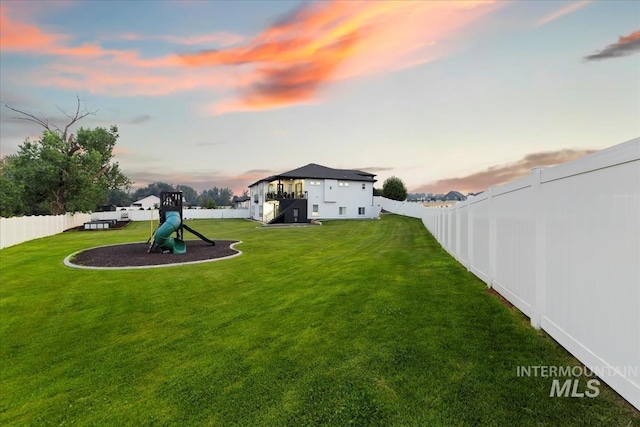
313	170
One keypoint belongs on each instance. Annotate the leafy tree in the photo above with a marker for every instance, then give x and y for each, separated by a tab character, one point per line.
377	192
63	172
119	198
225	197
11	202
209	204
189	194
245	193
153	189
221	196
69	175
394	189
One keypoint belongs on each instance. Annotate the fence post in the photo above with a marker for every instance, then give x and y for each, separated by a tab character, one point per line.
540	290
469	232
449	242
457	246
493	241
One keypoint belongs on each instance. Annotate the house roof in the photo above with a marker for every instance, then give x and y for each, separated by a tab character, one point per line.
313	170
148	200
240	199
452	195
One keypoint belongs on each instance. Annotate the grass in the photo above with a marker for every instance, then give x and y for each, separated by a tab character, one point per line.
352	323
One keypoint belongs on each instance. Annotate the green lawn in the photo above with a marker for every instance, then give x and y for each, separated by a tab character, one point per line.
351	323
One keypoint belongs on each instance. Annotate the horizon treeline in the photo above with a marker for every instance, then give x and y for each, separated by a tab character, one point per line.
209	198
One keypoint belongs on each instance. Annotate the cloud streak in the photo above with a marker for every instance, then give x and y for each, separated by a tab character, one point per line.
91	67
290	61
569	8
221	38
501	174
624	46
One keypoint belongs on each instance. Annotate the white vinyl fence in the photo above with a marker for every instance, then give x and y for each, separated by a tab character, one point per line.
146	215
562	245
21	229
17	230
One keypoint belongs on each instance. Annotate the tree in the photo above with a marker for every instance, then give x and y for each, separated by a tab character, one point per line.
189	194
394	189
153	189
11	203
221	196
209	204
63	172
118	198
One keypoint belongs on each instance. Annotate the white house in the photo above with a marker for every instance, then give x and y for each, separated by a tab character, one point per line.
147	202
313	192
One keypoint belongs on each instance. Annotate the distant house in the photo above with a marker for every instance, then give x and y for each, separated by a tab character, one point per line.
313	192
454	196
148	202
241	202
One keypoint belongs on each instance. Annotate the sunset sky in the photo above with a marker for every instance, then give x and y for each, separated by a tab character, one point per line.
445	95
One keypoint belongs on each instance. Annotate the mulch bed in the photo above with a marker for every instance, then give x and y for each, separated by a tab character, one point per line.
136	255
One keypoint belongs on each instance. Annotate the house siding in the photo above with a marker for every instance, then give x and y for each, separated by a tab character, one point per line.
330	195
352	197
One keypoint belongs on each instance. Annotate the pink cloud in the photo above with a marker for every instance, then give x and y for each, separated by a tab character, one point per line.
18	36
93	68
289	62
121	151
200	181
501	174
221	38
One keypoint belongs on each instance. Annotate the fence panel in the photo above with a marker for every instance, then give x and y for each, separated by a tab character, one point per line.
515	262
17	230
480	241
463	241
562	245
592	256
154	214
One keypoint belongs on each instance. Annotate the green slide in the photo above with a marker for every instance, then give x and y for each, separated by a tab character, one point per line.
163	234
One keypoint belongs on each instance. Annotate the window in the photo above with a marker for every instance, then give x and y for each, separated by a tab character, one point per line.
314	210
360	211
364	186
342	210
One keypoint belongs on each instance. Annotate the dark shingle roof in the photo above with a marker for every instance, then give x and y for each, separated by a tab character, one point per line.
313	170
454	195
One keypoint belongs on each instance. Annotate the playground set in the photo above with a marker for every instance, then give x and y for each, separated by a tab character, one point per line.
171	221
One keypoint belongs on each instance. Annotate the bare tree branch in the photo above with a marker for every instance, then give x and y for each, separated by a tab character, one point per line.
79	114
29	117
